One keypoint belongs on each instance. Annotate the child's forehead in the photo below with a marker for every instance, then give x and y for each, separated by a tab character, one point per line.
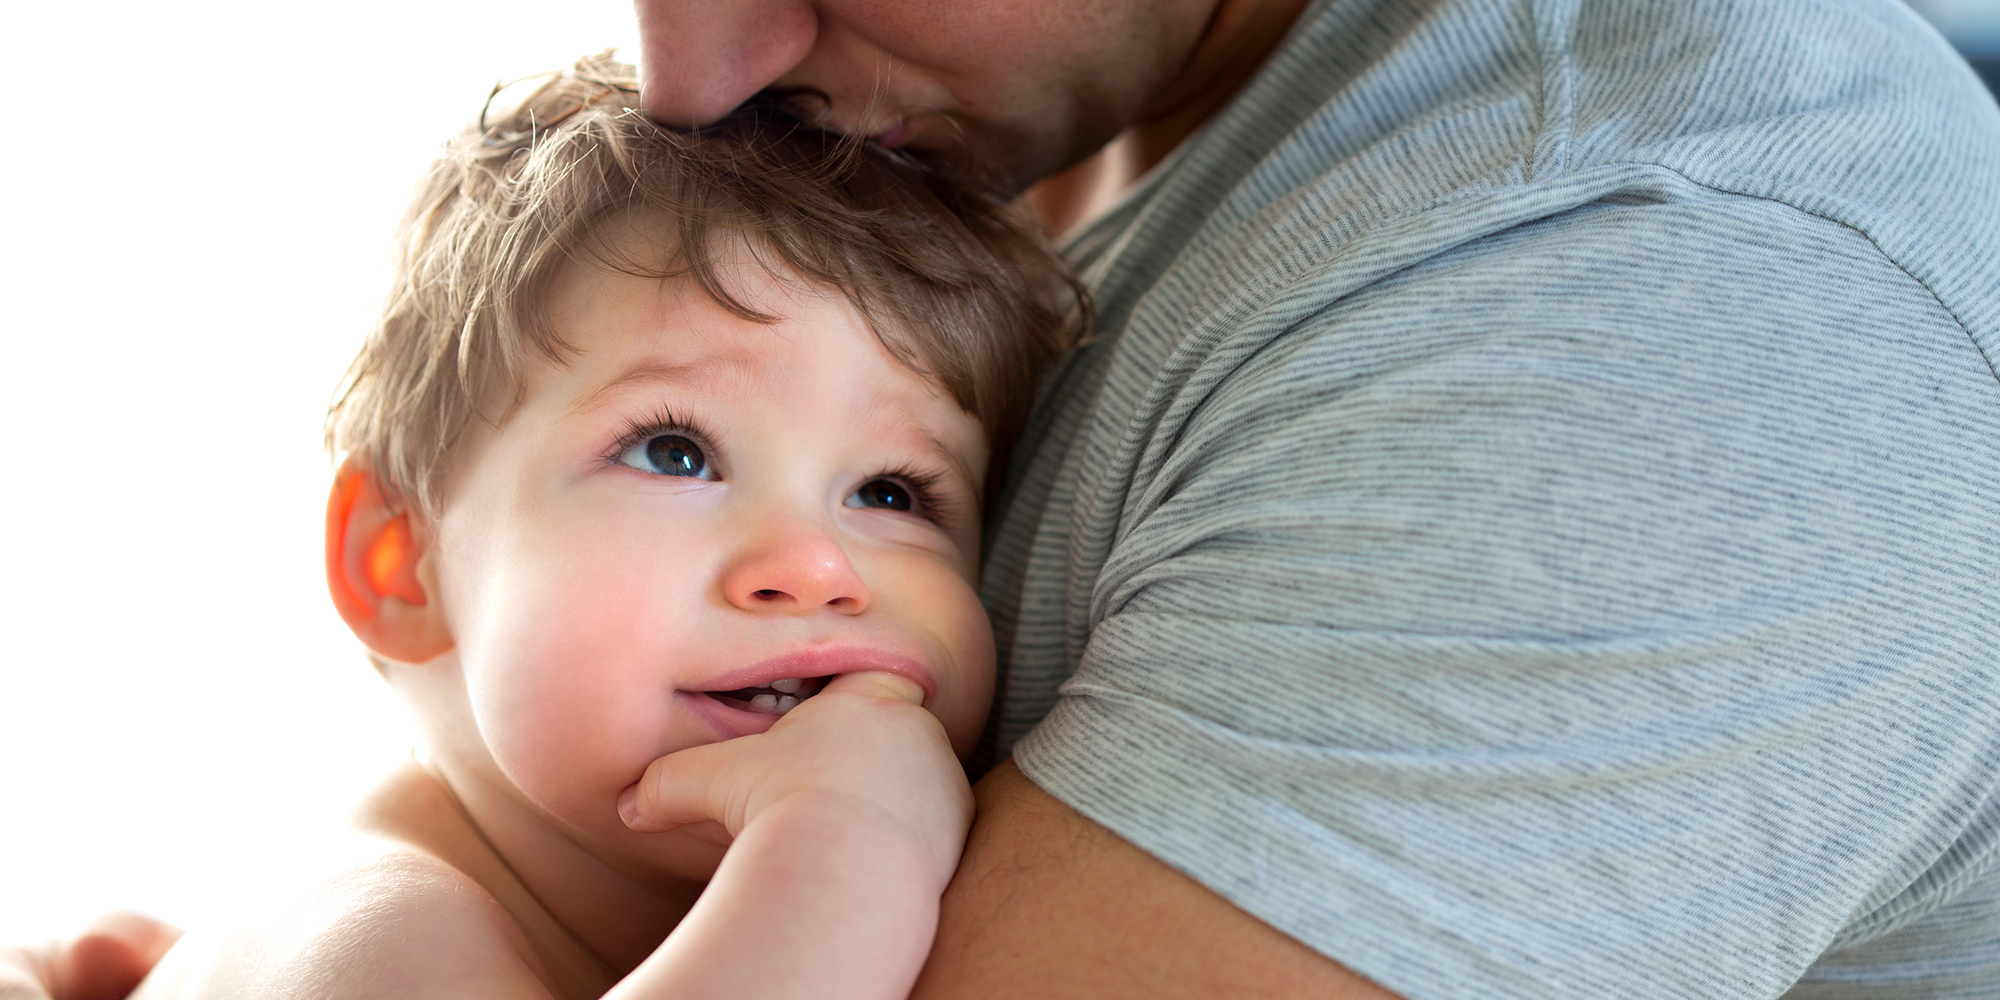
633	329
635	264
636	338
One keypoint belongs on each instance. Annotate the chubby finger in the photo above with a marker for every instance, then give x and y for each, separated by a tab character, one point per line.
109	958
683	787
105	962
28	973
147	938
879	684
99	966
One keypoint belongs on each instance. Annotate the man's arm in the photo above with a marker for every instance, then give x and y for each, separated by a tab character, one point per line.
1047	903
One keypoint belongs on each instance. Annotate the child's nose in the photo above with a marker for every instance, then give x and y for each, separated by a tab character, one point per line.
795	569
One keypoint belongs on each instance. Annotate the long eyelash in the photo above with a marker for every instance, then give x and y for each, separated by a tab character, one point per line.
663	420
931	502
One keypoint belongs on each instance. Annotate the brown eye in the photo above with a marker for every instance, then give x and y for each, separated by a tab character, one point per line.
884	494
667	455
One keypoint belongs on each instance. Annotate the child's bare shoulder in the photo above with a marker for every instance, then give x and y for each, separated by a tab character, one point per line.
408	921
395	919
402	924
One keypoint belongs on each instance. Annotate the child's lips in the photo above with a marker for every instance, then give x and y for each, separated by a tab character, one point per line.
819	665
729	703
775	698
727	718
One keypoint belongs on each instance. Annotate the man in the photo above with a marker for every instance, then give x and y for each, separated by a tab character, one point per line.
1525	528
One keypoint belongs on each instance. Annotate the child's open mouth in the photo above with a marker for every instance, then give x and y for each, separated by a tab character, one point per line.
775	698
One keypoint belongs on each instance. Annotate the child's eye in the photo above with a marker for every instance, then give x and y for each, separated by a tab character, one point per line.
883	494
907	490
668	455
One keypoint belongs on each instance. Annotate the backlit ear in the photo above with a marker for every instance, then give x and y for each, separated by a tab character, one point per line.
373	554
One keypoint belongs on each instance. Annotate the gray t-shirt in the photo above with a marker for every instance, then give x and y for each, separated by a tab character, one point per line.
1531	524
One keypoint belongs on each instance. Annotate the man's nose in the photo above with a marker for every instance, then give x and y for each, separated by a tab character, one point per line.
794	568
699	59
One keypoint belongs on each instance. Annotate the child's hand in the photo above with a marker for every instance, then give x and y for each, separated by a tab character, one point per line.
849	814
105	962
863	742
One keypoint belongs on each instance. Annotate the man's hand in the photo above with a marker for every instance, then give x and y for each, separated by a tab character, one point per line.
103	963
865	736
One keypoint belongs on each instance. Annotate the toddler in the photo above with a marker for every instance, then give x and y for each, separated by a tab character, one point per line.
658	501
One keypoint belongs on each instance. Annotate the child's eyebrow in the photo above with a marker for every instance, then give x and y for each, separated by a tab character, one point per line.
655	373
952	458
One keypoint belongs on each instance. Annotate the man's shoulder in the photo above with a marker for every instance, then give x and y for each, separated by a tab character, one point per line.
1382	136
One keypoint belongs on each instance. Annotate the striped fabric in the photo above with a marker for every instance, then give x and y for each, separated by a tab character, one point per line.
1528	528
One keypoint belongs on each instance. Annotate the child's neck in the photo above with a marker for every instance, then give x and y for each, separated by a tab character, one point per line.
587	923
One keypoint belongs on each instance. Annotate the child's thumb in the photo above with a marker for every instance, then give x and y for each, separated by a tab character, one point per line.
686	786
879	684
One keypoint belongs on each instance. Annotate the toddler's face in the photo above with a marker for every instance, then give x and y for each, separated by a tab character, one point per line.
691	526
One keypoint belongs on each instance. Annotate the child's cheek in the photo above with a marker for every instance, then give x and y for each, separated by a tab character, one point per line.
964	716
929	593
570	679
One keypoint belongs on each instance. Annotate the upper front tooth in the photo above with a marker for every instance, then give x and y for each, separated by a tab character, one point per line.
789	685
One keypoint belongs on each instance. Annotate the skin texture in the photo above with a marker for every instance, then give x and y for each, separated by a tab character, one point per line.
1082	96
588	589
1238	38
591	599
565	628
1016	89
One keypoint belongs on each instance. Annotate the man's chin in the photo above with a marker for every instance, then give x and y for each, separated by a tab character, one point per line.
1003	166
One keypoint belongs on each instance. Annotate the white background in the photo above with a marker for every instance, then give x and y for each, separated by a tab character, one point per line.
198	205
199	199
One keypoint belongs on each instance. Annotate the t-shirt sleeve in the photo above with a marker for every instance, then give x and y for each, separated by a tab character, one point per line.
1603	608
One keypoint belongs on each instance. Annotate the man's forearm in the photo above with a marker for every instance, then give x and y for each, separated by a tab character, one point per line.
1048	904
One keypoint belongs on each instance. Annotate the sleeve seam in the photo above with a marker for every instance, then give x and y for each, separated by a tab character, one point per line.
1991	368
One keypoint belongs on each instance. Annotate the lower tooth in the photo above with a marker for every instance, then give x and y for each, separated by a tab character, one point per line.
764	702
786	704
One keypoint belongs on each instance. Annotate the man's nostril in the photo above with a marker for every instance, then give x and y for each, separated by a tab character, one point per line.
769	595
